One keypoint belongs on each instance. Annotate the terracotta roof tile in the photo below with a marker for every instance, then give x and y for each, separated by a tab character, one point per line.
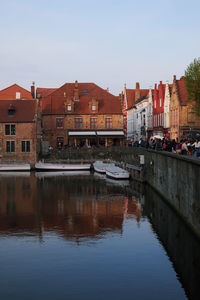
44	91
10	92
24	110
130	94
107	103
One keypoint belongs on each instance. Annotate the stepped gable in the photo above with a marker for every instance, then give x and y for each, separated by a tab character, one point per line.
107	103
43	92
24	111
182	91
10	92
130	94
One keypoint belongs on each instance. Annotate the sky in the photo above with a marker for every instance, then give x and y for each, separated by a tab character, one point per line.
108	42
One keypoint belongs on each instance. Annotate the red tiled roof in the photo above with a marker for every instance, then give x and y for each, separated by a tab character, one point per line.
24	110
130	94
107	103
10	92
44	91
182	92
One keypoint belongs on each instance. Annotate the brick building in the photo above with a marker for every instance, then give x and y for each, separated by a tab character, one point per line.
183	119
19	130
158	109
80	114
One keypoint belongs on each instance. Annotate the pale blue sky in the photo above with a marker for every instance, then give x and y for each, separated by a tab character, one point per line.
107	42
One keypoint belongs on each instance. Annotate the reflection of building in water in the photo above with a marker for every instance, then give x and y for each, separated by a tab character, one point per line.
72	207
18	205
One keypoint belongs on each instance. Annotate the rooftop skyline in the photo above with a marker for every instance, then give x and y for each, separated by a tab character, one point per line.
107	42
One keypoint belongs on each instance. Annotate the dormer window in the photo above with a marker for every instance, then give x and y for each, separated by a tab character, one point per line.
94	107
11	110
69	107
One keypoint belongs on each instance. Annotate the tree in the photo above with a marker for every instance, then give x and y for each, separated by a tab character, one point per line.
192	79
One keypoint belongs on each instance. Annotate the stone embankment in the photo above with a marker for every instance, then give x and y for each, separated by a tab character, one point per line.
174	177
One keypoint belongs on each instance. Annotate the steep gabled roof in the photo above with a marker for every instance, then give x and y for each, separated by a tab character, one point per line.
24	111
107	103
182	91
130	94
10	92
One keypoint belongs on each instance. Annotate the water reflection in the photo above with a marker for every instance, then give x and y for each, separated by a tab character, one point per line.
74	207
124	226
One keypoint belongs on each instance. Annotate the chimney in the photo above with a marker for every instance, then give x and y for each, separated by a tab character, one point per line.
33	90
107	90
76	93
137	91
174	77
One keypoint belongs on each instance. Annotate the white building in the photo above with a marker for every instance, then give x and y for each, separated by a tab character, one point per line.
167	98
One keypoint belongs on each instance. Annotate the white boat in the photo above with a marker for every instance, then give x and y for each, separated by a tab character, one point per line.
100	166
117	173
15	167
61	173
61	167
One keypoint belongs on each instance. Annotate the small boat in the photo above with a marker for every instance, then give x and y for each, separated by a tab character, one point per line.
15	167
115	172
61	167
100	166
61	173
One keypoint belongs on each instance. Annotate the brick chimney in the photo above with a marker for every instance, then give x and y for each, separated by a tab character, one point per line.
137	91
33	90
76	92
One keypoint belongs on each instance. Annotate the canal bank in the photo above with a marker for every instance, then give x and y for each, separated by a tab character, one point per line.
174	177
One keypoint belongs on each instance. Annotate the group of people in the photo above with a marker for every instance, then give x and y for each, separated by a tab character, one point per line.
184	147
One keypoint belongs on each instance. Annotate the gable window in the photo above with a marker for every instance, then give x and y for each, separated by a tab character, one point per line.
18	95
109	122
94	107
25	146
155	104
160	102
78	123
93	123
59	123
9	129
69	107
10	146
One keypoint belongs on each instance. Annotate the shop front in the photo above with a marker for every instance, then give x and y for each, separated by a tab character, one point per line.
95	138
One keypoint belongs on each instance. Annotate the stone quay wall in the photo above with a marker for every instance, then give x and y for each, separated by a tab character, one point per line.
175	177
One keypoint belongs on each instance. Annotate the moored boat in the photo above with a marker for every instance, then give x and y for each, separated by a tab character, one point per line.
14	167
61	173
100	166
61	167
117	173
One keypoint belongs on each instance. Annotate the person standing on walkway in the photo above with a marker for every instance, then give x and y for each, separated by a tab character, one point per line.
184	148
196	144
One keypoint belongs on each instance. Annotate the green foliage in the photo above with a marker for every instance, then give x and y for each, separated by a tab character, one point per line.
192	78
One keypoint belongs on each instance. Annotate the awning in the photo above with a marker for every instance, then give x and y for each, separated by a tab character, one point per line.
81	133
111	133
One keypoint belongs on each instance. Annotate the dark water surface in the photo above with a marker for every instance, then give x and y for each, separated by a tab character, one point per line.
86	237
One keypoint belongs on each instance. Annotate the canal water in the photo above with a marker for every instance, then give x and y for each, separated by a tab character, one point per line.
69	236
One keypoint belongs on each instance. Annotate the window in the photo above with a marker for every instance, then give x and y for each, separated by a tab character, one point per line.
155	104
94	107
10	129
69	107
10	146
18	95
11	112
93	123
160	102
108	122
78	123
25	146
59	123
